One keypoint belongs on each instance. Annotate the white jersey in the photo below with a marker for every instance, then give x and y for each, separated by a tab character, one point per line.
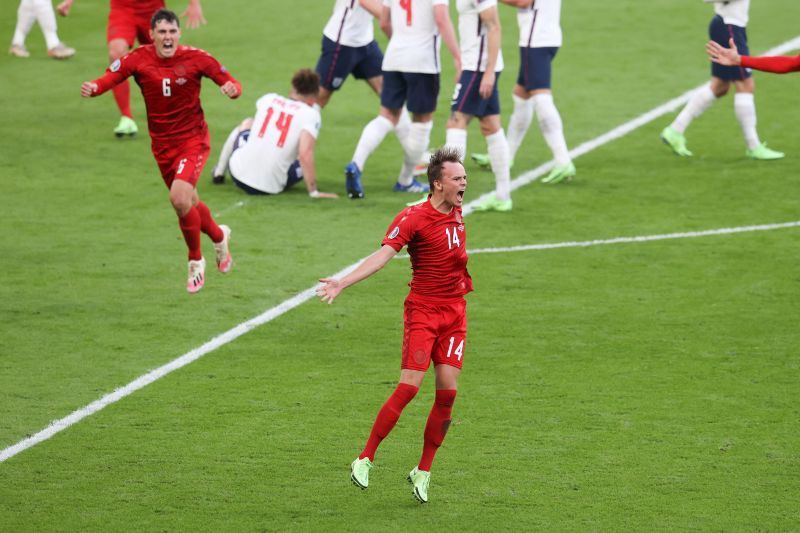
415	42
263	162
735	12
540	24
350	24
472	33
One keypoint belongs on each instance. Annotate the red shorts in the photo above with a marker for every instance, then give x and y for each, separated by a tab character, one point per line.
434	331
182	161
128	25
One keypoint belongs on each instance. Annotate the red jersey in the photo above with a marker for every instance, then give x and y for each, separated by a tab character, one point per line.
437	244
171	88
143	8
778	64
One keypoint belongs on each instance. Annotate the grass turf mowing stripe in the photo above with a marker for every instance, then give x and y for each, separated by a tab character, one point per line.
267	316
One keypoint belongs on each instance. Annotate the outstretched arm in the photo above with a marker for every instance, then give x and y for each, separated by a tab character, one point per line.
194	15
331	287
728	57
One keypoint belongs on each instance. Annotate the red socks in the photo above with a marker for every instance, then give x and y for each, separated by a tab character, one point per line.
437	426
190	227
207	223
122	95
388	416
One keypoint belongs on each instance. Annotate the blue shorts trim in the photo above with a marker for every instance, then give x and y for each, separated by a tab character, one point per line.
535	67
418	92
720	32
337	61
467	98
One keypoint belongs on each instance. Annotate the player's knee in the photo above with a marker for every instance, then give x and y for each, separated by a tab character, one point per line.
116	49
181	203
490	125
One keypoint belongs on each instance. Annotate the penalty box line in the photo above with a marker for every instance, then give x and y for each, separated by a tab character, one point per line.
232	334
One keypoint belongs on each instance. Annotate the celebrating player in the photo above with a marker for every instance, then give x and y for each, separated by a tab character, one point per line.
410	76
435	310
169	76
129	21
476	93
40	11
729	22
539	40
266	161
730	57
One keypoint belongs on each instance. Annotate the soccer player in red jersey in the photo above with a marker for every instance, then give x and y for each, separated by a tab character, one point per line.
435	310
730	57
129	21
169	76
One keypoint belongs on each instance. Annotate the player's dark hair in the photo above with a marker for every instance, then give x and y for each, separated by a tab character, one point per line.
166	15
306	82
441	156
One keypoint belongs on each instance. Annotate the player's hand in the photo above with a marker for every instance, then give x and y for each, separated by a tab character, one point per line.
728	57
88	88
321	194
229	89
64	7
194	15
329	290
487	85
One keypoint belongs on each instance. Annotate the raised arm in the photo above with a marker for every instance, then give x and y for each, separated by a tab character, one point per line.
305	153
194	15
331	287
441	15
490	19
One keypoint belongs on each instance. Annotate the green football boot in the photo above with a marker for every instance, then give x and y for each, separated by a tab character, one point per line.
491	203
676	141
762	153
125	127
420	479
359	472
482	160
559	174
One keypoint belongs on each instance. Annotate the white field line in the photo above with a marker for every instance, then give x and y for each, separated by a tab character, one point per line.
267	316
637	239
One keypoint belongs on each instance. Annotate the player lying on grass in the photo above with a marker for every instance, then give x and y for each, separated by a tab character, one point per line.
273	151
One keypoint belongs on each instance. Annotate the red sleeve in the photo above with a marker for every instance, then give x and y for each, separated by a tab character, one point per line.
778	64
213	69
400	231
116	73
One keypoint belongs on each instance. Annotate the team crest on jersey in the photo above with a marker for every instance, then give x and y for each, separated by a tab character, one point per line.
395	232
181	81
115	65
223	69
337	82
180	70
461	228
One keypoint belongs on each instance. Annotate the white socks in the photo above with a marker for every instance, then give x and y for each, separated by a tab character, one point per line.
500	159
698	103
403	128
519	122
371	137
225	154
552	128
745	108
457	138
419	137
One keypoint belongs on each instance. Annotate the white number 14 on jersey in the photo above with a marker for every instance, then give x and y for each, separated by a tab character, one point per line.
452	238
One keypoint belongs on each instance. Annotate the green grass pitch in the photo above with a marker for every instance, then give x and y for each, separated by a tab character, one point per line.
639	386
